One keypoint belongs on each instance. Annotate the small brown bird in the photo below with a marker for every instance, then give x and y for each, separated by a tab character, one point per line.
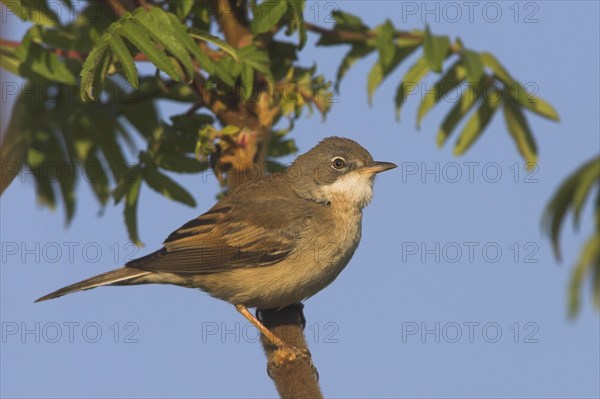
270	242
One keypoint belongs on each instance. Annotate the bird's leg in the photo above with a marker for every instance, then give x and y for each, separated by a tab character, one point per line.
284	348
275	340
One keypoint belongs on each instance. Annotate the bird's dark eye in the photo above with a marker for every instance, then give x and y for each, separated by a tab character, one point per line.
338	163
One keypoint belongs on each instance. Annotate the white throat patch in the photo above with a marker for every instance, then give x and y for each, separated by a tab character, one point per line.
355	187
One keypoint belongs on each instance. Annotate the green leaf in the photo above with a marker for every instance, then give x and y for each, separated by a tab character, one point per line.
557	209
202	15
66	182
9	61
520	132
120	50
35	157
181	32
451	80
490	61
357	52
247	81
572	192
154	88
374	80
130	176
411	79
385	44
282	56
296	20
588	175
347	21
131	202
409	41
44	191
36	62
180	163
164	185
230	130
142	115
267	14
182	8
137	36
159	27
207	37
344	22
476	125
16	139
253	53
257	59
204	145
55	159
435	49
61	38
596	279
519	93
532	102
222	73
589	257
473	63
103	131
94	69
233	68
37	162
379	72
461	108
191	123
97	178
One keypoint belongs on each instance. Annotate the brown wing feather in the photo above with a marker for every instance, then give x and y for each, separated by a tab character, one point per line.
258	234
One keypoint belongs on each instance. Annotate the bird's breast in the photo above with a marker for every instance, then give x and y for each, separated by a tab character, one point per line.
325	252
322	252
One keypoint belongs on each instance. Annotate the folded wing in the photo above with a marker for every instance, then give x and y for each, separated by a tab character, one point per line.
232	235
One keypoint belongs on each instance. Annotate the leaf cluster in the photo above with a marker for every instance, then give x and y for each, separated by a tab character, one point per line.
572	196
96	111
475	82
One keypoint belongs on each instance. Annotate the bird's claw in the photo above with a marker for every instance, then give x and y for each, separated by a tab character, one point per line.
290	353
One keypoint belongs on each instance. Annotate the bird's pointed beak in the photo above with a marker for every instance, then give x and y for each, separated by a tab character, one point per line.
377	167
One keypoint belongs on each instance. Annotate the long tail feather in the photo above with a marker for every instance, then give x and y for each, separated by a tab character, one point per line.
113	277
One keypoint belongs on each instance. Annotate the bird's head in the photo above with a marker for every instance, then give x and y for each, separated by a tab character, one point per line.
337	169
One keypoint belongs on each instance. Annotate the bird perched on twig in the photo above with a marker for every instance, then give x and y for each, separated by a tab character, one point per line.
270	242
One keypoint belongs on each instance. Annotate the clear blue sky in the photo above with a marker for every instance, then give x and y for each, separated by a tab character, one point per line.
365	330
